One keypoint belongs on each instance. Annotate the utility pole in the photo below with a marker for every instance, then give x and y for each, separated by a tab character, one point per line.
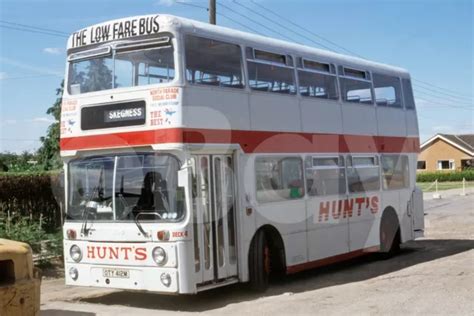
212	12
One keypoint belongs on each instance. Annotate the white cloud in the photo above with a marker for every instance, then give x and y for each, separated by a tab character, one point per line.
52	50
169	3
42	120
3	75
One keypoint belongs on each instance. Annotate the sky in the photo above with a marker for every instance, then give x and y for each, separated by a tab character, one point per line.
433	39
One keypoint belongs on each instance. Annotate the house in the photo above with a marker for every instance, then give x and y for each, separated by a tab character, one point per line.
447	152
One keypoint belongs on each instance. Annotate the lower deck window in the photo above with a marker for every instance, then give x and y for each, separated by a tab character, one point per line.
325	176
395	172
279	179
363	174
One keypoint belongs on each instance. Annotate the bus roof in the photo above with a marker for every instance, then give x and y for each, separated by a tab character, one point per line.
144	26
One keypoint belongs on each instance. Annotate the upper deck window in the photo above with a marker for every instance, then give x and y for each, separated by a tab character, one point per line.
214	63
387	91
122	66
356	85
270	72
317	79
408	94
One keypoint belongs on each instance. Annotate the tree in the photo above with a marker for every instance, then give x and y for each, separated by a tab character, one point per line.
48	154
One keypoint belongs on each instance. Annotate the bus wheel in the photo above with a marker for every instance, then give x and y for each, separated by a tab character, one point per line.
259	262
389	235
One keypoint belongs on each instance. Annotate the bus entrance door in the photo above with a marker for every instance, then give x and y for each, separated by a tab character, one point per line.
214	218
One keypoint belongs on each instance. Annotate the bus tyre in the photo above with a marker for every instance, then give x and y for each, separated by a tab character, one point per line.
259	262
389	235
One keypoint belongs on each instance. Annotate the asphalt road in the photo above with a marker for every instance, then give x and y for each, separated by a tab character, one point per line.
433	275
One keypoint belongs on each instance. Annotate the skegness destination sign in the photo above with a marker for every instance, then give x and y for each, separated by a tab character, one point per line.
115	30
113	115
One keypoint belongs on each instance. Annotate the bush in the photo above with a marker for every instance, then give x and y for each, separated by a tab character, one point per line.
445	176
23	229
36	196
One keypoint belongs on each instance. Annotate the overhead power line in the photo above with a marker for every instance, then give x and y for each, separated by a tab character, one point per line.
220	14
254	21
450	95
438	98
279	25
304	29
33	27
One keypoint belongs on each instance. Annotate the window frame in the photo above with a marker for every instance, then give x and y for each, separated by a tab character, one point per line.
376	165
385	186
109	49
402	100
342	75
424	164
451	164
280	158
300	66
252	59
402	79
243	68
341	159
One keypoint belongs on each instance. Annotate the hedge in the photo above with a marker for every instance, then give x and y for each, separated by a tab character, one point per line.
36	195
445	176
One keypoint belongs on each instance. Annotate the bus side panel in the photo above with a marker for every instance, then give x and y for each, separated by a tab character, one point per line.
364	224
289	218
214	108
322	116
405	219
391	122
272	112
327	236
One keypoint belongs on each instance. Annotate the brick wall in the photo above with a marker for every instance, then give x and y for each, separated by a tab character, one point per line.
441	150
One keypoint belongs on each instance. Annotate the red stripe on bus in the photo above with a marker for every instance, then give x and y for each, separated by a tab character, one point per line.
331	260
250	141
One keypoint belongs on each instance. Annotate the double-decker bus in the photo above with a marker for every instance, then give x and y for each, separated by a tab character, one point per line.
198	156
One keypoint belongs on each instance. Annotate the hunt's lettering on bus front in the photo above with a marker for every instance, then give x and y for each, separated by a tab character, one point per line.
116	30
334	210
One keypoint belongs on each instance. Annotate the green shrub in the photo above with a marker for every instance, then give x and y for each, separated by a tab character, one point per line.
445	176
35	195
22	229
31	232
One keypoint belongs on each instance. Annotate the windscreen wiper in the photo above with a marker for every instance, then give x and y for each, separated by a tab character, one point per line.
135	217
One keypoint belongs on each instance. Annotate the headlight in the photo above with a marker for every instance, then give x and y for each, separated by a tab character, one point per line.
75	253
159	255
165	279
73	273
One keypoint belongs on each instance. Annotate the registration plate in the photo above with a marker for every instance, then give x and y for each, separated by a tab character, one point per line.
116	273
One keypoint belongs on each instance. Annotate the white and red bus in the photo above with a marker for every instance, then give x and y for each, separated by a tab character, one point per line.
199	156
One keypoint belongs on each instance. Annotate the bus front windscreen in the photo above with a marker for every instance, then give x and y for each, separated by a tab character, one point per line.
124	188
121	68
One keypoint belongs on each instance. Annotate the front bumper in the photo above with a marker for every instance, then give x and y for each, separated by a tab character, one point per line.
140	278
